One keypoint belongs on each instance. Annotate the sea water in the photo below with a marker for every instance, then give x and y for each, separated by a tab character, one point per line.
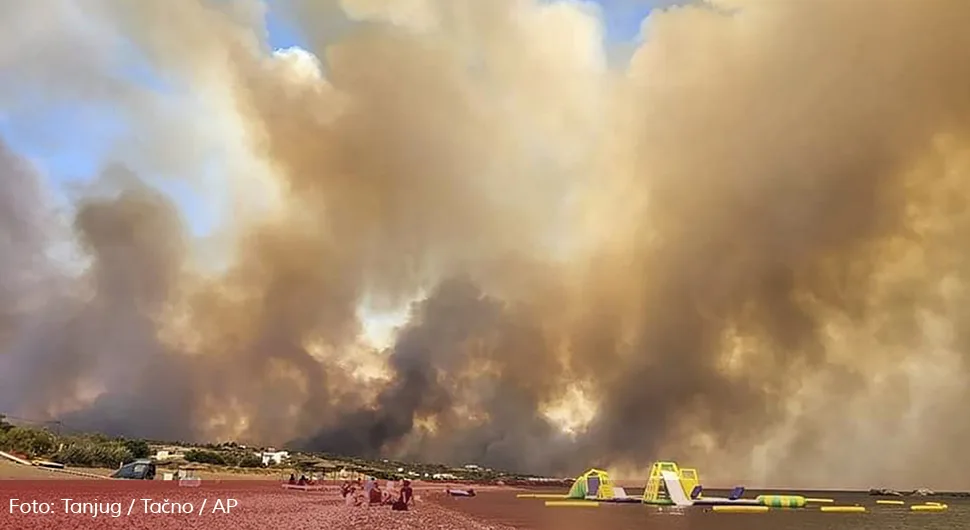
532	514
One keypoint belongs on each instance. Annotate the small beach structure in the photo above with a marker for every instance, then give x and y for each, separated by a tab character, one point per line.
188	477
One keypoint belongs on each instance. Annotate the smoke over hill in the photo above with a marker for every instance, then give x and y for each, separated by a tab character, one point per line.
745	247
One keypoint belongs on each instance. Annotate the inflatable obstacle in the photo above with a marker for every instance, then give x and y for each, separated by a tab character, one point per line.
669	484
596	485
727	508
664	486
541	496
782	501
843	509
928	507
675	489
573	504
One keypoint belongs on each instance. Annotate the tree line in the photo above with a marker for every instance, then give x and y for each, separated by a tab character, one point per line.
83	450
98	450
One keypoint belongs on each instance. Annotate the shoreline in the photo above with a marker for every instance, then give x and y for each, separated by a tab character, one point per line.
10	471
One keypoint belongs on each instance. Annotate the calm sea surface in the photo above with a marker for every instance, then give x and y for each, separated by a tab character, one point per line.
528	514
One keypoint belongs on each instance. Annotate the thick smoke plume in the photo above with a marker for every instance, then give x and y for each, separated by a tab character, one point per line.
744	248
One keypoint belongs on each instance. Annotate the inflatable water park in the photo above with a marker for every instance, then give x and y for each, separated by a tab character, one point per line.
672	485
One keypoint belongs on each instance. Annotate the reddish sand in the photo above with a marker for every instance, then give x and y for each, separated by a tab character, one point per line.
12	471
251	505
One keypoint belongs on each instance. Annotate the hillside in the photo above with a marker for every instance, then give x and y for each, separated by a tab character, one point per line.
101	453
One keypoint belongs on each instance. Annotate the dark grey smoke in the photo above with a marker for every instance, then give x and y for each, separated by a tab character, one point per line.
460	347
744	248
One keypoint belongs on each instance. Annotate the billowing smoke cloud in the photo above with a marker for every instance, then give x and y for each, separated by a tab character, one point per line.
745	248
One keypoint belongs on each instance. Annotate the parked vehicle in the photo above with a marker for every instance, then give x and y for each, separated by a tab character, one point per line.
138	470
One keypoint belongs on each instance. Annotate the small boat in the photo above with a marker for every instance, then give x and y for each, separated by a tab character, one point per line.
460	493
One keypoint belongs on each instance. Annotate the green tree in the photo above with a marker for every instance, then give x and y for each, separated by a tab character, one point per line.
138	448
248	460
91	451
27	441
205	457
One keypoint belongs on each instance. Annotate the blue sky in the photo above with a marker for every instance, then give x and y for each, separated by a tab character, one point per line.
70	142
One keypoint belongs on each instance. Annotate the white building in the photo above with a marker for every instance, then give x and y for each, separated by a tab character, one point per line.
273	457
168	454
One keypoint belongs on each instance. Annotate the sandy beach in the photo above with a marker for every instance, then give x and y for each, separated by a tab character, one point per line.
259	504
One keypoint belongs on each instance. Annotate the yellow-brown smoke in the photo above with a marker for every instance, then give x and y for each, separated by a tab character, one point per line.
744	248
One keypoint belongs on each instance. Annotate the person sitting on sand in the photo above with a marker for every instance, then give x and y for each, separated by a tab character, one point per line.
353	497
302	481
406	492
292	479
405	499
376	497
